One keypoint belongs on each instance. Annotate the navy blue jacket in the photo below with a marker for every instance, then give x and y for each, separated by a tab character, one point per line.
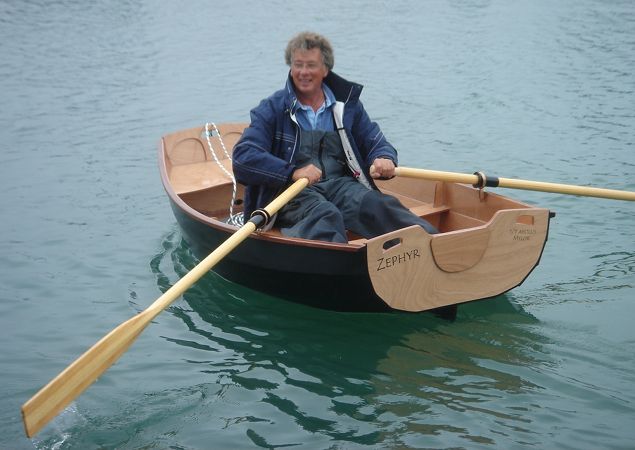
263	159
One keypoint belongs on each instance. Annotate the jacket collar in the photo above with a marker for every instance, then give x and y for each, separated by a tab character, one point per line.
343	89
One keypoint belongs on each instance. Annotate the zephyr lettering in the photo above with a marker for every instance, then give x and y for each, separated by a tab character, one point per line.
392	261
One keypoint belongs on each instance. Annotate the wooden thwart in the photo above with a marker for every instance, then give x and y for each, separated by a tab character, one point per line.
194	177
428	210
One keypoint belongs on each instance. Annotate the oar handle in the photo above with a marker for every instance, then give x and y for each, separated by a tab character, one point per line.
479	179
285	197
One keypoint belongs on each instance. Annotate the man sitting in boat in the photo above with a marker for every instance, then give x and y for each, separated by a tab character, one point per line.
317	128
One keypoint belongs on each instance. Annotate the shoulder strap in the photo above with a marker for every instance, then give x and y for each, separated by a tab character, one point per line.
353	163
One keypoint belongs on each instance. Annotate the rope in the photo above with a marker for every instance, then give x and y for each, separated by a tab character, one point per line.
233	219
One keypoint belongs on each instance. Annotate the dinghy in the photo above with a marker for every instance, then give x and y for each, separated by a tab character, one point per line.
487	245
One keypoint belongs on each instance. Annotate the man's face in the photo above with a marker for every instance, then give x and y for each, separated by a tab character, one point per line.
308	71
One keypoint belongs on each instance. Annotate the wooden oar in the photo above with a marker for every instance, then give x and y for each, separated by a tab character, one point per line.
71	382
481	180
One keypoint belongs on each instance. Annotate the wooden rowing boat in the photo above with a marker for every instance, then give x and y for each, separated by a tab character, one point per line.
488	243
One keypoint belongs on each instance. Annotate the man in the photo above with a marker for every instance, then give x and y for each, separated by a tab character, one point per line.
317	128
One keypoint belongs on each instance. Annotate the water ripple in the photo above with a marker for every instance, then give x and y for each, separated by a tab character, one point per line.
535	90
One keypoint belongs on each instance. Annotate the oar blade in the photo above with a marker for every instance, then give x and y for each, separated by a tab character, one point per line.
70	383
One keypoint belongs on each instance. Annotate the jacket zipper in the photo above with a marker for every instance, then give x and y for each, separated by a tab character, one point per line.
321	159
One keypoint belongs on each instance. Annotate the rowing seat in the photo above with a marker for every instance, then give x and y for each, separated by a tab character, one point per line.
426	209
197	176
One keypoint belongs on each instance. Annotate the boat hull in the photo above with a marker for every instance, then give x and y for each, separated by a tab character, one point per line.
319	277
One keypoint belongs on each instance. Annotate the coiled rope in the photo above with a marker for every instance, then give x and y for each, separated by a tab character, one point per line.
233	219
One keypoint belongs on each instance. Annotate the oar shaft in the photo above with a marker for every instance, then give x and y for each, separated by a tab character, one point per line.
424	174
80	374
453	177
200	269
222	250
570	189
285	197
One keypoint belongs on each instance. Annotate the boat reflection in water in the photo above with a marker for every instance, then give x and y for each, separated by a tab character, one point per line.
274	368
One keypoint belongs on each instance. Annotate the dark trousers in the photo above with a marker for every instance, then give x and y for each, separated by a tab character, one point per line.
325	210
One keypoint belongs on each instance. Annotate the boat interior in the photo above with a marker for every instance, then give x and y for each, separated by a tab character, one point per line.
196	163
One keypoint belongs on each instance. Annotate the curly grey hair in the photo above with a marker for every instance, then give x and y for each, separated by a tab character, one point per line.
306	41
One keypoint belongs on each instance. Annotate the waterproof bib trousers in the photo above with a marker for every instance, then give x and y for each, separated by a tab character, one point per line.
338	202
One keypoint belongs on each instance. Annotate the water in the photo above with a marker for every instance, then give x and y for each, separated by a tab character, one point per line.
537	90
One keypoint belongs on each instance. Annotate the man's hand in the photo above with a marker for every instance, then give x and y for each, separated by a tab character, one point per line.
310	172
382	168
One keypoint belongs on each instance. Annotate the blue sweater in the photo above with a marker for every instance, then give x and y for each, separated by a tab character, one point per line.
263	159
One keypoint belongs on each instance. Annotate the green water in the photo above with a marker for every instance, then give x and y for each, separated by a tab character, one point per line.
537	90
